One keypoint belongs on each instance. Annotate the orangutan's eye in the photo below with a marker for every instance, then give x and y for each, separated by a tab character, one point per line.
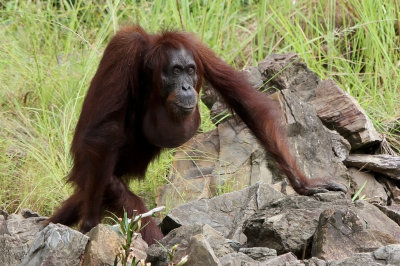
191	70
177	70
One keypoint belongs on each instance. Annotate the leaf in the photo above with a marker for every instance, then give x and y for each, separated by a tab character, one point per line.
116	260
182	261
115	229
359	191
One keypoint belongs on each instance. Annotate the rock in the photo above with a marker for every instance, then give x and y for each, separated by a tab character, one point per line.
259	253
225	213
395	193
191	175
340	146
202	150
184	190
194	241
16	235
4	213
357	259
201	253
229	156
237	144
56	245
218	243
383	164
311	143
336	109
387	255
254	77
392	189
392	211
26	213
220	113
340	111
287	224
3	225
390	254
284	259
157	254
105	244
375	220
315	262
288	71
284	188
238	259
341	233
373	190
209	96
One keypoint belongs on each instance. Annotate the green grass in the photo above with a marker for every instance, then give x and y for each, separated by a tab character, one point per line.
49	50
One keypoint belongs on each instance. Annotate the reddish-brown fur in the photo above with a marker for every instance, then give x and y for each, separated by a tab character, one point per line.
109	142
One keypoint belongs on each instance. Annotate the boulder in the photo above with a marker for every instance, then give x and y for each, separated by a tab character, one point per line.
17	232
383	164
225	213
200	252
259	253
373	191
319	151
238	259
201	244
56	244
312	226
284	259
387	255
342	232
105	244
336	108
288	224
392	211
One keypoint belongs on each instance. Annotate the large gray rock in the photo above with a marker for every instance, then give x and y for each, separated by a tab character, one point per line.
17	231
238	259
225	213
340	111
200	243
289	224
387	255
200	252
158	255
56	244
341	233
383	164
284	259
392	189
372	190
334	107
259	253
288	71
228	156
390	254
319	151
392	211
105	244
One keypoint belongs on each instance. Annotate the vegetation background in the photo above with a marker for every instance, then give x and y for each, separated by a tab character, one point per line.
49	51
